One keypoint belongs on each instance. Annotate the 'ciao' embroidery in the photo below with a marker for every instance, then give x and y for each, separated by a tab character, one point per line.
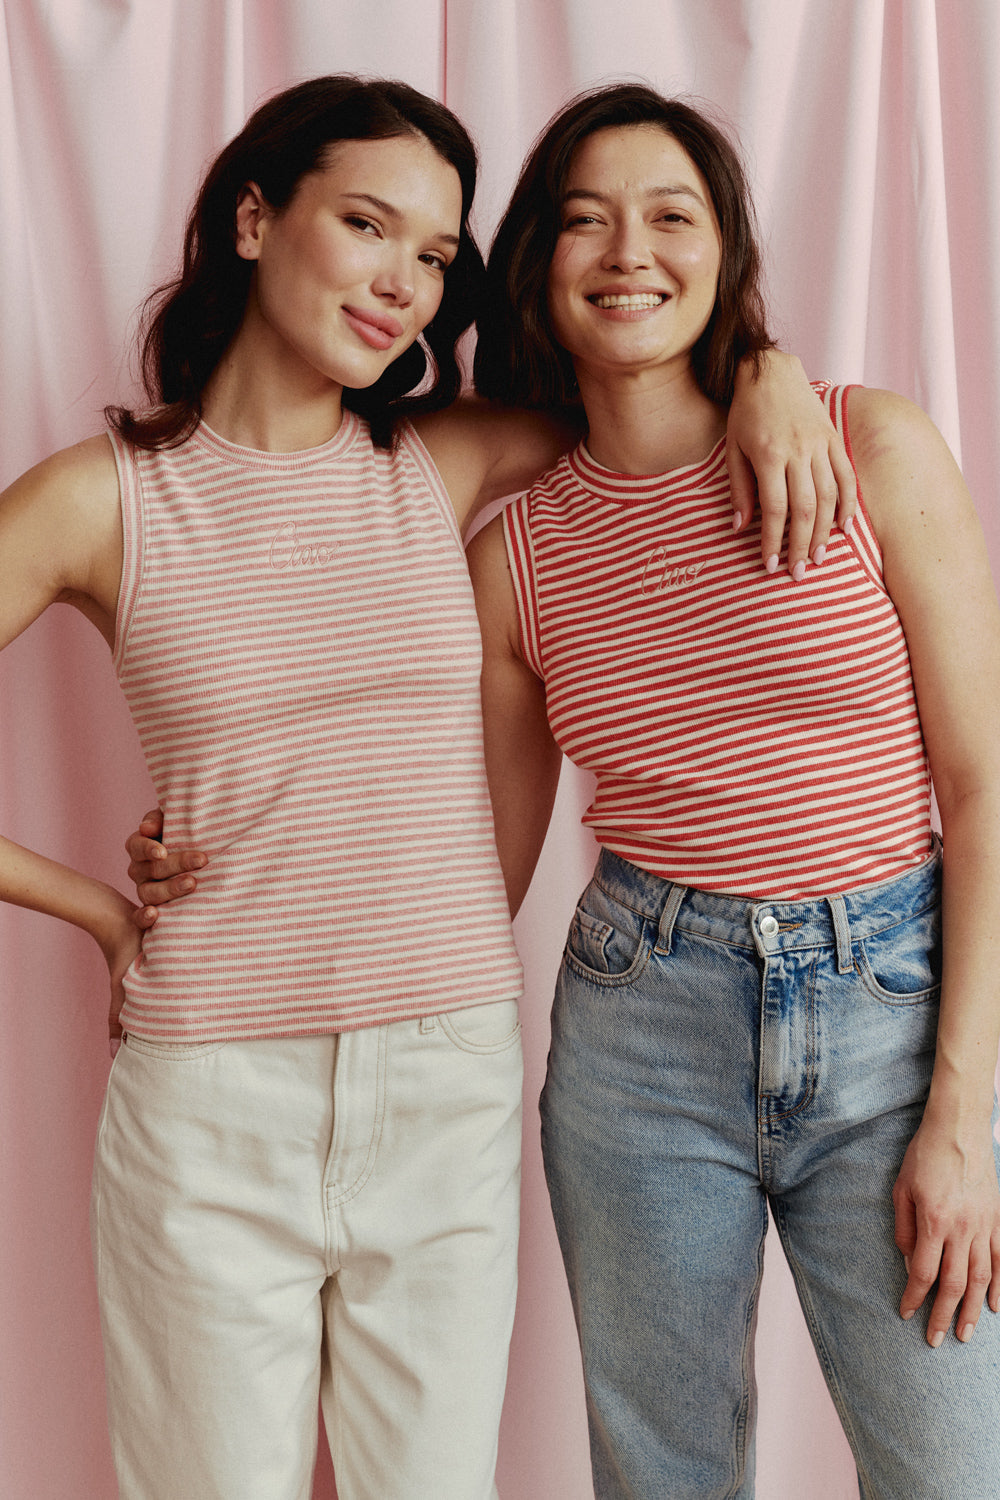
658	576
287	551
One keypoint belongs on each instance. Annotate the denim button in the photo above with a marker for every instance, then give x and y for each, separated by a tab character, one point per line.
768	926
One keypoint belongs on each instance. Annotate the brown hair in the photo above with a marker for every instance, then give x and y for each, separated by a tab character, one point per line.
188	323
518	359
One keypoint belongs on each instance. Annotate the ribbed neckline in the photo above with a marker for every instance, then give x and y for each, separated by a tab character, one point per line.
640	489
257	458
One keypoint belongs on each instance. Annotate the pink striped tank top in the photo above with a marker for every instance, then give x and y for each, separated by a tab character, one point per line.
298	645
748	734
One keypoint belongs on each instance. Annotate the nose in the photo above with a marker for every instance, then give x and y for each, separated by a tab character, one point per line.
395	281
628	248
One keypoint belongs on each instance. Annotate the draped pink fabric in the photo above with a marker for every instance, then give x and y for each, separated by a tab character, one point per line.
873	132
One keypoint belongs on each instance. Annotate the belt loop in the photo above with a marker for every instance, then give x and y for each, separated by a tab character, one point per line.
842	934
668	917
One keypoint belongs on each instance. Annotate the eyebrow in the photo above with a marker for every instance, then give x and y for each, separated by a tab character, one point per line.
673	190
390	211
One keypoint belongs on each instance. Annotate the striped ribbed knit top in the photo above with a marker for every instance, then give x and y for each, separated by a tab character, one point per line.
748	734
298	645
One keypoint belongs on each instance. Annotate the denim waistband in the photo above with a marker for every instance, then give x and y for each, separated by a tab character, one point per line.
773	926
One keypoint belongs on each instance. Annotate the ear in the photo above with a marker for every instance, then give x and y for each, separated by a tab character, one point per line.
252	213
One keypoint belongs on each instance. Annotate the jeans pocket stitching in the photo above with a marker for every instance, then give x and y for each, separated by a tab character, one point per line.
892	997
172	1051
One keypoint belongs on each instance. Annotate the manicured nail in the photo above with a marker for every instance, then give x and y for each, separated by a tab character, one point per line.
819	555
737	520
966	1331
772	564
799	571
936	1339
848	526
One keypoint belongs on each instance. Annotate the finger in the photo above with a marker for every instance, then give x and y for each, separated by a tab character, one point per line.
825	488
162	892
980	1268
152	824
847	485
180	862
772	492
142	849
801	517
923	1266
953	1281
144	917
993	1296
742	485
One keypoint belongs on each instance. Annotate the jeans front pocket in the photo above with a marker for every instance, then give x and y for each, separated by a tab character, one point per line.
901	965
607	942
494	1027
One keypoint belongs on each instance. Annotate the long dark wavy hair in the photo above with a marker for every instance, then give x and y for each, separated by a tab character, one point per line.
518	359
188	323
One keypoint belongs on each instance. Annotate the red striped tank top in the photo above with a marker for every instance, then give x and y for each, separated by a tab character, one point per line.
748	734
298	645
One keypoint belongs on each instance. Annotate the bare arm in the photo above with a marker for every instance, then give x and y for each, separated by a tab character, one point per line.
936	569
522	758
778	435
60	539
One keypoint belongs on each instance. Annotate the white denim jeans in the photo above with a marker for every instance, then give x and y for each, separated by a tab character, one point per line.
333	1218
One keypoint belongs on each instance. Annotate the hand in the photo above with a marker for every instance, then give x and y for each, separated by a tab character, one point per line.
948	1228
779	434
158	876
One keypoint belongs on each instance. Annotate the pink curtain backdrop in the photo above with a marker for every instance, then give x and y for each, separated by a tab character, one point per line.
873	133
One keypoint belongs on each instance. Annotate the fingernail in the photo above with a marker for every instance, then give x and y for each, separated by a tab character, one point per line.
906	1316
906	1263
936	1339
186	885
114	1047
737	520
158	852
848	526
819	555
799	572
966	1331
772	564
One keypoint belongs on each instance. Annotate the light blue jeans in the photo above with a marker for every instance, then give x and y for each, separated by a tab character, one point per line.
712	1056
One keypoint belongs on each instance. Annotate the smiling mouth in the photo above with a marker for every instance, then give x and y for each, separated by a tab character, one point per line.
634	301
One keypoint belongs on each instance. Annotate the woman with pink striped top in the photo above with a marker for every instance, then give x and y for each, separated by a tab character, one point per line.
761	1006
307	1167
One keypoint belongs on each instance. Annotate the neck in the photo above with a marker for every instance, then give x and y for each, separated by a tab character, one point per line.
257	401
648	422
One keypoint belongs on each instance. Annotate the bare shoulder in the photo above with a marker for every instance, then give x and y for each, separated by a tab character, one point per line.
907	473
82	476
61	534
496	601
483	451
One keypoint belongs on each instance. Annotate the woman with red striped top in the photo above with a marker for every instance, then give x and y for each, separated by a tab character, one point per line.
760	1006
306	1184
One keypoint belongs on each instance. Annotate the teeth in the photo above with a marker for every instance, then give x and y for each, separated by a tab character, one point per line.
637	299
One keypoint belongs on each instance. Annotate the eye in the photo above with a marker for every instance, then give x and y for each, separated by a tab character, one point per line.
359	221
435	260
673	216
579	221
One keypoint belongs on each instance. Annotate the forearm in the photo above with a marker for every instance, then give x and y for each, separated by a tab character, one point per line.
961	1095
31	880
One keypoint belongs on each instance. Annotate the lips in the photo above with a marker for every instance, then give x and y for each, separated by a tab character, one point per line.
378	329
